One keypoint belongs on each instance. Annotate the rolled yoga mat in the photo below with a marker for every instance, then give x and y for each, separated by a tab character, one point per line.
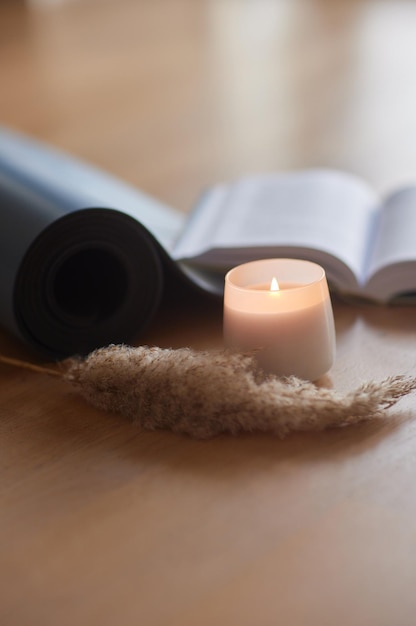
83	257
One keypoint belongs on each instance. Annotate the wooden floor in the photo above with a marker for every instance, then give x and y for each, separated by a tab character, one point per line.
101	524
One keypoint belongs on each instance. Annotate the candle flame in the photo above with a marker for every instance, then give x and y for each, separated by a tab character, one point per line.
274	285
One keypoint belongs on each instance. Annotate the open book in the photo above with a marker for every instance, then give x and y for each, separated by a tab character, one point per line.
367	247
85	259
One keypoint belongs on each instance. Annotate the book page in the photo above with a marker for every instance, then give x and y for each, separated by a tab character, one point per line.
396	238
314	209
202	224
392	266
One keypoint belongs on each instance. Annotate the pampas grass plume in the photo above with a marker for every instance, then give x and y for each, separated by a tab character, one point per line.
203	394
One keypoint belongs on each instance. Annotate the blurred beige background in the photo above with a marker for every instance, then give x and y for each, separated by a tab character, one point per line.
174	95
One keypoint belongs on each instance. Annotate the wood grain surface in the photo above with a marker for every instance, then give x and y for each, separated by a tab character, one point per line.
101	524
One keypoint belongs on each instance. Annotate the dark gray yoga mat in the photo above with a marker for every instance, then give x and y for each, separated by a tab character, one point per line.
83	257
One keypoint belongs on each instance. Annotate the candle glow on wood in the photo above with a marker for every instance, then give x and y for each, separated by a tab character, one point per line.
291	333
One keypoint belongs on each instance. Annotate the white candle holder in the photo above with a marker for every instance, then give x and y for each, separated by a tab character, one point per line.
291	330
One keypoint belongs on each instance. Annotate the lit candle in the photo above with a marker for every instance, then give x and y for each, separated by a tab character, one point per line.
281	310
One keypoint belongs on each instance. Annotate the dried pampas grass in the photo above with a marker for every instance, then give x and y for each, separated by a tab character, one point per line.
203	394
